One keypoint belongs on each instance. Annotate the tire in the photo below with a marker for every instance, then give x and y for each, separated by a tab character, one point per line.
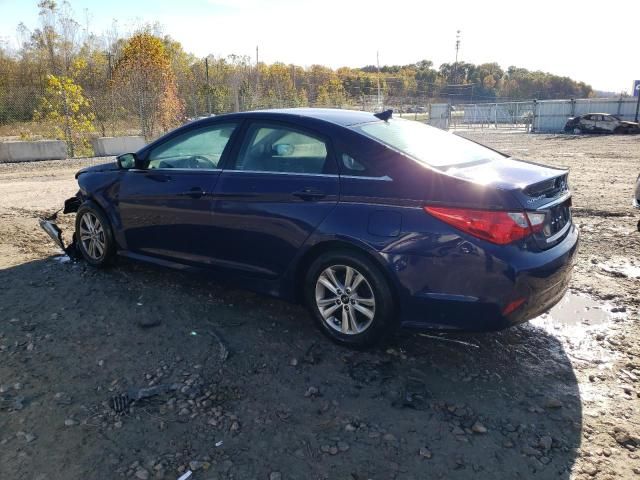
355	318
94	237
577	130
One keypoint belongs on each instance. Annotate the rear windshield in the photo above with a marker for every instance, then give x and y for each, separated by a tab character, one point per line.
429	145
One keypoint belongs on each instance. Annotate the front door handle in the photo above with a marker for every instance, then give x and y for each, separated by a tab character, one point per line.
195	192
308	194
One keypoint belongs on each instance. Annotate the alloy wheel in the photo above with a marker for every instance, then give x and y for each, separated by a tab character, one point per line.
92	236
345	299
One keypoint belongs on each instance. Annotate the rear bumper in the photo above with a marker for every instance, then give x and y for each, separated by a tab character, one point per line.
472	292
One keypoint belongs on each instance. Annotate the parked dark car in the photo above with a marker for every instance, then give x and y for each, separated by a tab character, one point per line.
373	222
600	123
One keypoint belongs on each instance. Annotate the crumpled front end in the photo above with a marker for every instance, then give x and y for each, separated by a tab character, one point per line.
49	225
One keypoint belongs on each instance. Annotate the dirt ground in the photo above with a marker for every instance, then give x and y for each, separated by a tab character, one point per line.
250	389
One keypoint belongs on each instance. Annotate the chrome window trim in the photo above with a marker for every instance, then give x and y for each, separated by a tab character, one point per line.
267	172
384	178
175	170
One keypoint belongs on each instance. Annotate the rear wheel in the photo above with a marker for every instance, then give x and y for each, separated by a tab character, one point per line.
94	236
349	298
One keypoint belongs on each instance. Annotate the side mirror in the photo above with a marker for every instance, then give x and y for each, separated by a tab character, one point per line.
126	161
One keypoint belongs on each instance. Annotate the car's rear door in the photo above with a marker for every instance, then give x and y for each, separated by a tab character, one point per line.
279	185
165	205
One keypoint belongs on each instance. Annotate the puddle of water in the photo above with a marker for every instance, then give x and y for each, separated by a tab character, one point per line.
576	309
575	321
575	314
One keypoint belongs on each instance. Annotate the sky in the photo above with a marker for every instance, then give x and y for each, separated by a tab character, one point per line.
588	44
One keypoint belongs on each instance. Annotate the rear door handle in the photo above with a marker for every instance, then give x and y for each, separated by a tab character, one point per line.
195	192
308	194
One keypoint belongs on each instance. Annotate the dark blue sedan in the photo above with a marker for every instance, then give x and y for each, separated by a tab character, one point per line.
373	222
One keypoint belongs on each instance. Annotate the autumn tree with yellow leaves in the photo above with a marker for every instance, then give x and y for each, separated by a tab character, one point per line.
143	78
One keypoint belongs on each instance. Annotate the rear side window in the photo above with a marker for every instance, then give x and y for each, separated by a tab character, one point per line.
271	148
426	144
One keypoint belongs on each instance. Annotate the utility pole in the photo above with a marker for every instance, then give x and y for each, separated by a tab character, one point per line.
638	102
206	75
379	96
455	65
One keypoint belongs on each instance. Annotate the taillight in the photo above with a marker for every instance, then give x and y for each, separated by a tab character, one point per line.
537	221
491	225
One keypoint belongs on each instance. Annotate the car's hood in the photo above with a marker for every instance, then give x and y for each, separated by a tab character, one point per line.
632	124
104	167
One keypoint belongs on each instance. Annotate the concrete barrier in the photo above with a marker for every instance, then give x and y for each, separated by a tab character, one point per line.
30	151
106	146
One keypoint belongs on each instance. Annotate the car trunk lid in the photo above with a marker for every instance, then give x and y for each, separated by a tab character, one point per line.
538	188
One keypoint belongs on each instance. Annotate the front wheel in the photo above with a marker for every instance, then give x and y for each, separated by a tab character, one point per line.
349	298
94	236
577	130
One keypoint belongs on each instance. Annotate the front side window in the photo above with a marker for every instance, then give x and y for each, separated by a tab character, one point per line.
270	148
426	144
198	148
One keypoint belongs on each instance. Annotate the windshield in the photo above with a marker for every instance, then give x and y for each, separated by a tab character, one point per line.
429	145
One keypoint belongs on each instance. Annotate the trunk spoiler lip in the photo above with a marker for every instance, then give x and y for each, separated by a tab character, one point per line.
556	201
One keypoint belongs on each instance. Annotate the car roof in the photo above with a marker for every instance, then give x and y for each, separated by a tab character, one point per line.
336	116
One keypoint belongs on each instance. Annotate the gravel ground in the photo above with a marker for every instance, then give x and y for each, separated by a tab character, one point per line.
247	388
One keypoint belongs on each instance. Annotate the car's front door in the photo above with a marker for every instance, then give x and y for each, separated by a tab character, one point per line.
165	204
597	123
279	187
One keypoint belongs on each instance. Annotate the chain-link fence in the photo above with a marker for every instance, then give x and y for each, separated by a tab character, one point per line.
40	109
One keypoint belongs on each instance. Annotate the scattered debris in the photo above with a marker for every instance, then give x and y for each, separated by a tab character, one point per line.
478	428
553	403
121	402
224	351
146	321
444	339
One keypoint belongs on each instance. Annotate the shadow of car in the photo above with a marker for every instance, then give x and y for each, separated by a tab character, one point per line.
510	408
